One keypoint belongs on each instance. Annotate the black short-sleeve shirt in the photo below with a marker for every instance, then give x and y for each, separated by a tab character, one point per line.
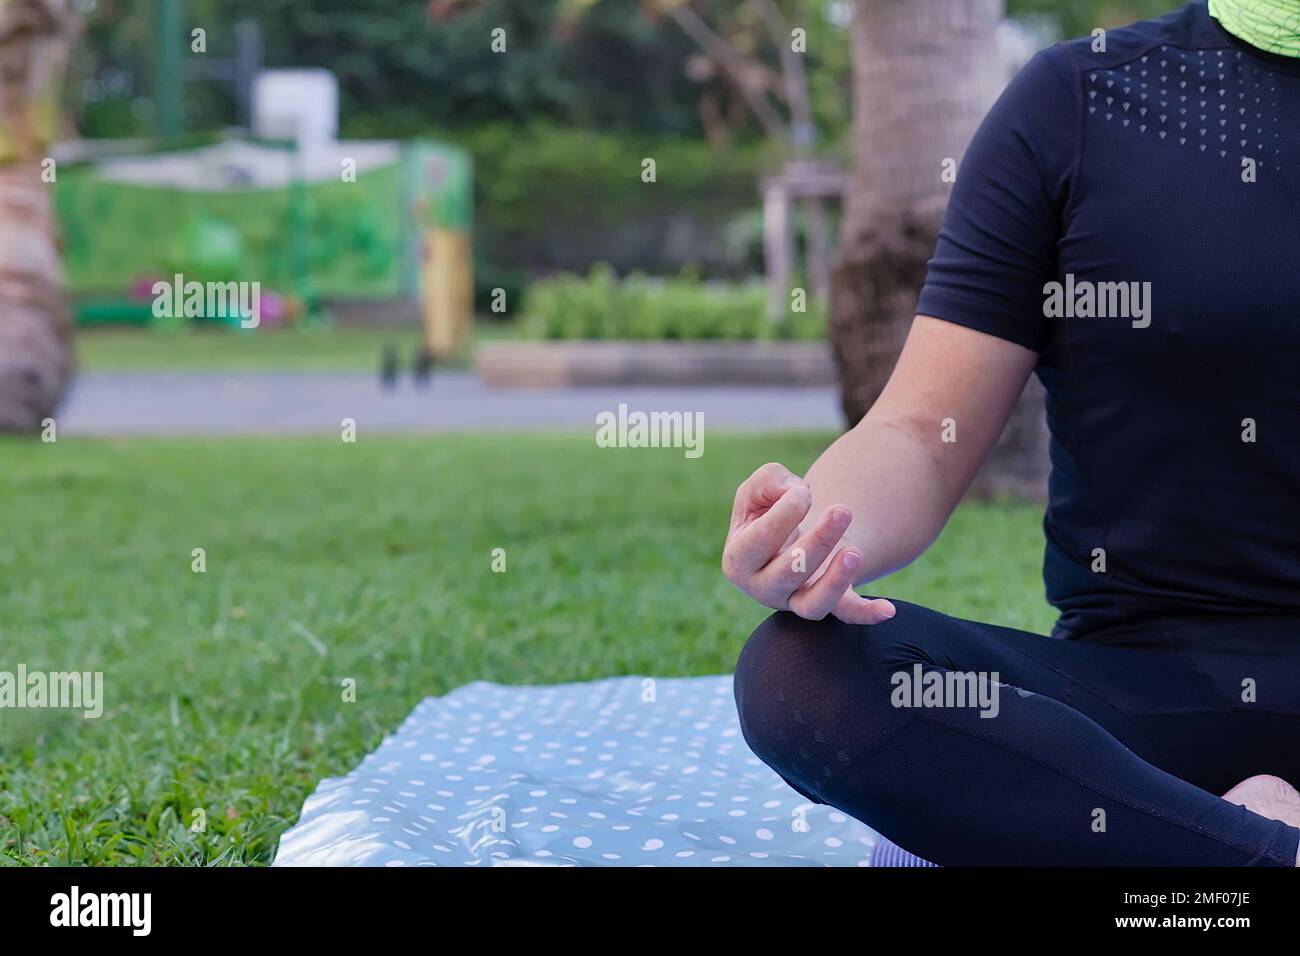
1132	214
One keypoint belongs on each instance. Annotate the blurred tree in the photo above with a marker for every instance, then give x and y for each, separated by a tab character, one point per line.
924	74
759	47
405	68
400	71
760	50
1080	17
35	324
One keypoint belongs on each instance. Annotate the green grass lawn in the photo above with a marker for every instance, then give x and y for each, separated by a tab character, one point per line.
217	694
339	349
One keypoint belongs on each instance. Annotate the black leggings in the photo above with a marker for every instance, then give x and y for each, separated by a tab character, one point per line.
1106	751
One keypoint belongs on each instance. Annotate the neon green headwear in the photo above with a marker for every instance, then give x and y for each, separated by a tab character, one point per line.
1269	25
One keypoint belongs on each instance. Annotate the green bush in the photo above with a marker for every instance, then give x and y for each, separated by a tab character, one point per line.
549	198
603	306
529	177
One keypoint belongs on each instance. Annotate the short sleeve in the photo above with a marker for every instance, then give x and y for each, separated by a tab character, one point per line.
999	243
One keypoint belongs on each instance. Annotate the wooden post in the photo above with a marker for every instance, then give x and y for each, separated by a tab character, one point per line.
777	249
809	184
817	248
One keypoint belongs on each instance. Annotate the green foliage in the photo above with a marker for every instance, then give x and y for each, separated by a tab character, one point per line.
602	306
530	177
550	197
1080	17
403	72
215	701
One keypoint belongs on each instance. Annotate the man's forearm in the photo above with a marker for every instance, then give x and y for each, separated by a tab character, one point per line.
896	487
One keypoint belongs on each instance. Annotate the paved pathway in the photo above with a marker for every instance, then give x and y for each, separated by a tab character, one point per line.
132	403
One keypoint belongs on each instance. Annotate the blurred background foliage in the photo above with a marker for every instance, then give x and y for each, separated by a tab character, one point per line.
404	69
558	126
602	306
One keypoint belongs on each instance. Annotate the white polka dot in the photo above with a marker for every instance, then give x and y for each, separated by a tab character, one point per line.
603	777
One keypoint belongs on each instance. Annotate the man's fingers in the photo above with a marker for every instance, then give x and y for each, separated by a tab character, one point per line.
761	540
768	558
853	608
790	539
794	565
833	593
762	489
814	601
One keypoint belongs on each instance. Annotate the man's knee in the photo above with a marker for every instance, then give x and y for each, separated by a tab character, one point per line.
806	696
797	661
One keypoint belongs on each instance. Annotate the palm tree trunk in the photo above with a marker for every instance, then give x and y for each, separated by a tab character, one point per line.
924	74
35	324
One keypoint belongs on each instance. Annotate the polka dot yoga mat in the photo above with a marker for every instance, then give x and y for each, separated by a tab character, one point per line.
628	771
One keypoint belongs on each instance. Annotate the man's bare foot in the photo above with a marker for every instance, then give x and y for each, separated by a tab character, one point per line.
1270	797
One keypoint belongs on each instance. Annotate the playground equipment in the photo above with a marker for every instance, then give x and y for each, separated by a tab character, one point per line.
311	219
444	209
311	222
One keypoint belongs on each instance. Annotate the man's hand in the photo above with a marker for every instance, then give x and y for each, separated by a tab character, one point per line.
767	558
